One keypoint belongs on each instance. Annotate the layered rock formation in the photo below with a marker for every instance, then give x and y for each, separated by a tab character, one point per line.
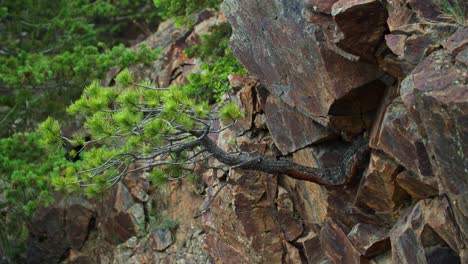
323	73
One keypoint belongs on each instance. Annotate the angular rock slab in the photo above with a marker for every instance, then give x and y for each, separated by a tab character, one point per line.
122	217
436	94
378	189
400	139
427	232
370	240
362	24
337	245
291	57
291	130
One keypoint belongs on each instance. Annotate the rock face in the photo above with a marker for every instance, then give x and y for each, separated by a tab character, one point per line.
323	72
59	228
332	63
306	74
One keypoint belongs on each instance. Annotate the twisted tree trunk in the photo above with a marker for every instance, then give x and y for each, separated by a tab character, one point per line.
350	165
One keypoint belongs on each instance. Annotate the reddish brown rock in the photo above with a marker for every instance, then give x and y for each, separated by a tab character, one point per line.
355	111
362	24
426	233
293	256
370	240
419	187
396	43
62	226
399	15
238	81
337	245
289	223
291	58
242	221
291	130
400	139
437	96
161	239
417	47
427	10
322	6
378	189
457	42
78	220
312	248
247	99
122	218
137	184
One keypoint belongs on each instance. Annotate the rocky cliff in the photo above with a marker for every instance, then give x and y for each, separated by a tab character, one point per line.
323	73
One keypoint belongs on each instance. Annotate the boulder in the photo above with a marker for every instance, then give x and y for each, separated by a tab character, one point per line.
378	189
337	245
426	233
291	130
361	25
121	217
419	187
62	226
400	139
293	59
370	240
290	224
436	96
312	248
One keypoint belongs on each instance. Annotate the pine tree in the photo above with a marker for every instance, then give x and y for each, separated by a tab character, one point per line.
164	131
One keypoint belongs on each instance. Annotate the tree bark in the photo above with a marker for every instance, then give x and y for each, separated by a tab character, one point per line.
342	174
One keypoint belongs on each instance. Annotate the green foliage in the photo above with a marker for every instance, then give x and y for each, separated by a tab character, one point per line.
49	51
13	233
161	222
25	177
131	123
455	10
211	83
230	112
182	10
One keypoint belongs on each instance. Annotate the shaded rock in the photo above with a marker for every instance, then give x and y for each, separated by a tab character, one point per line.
337	245
427	231
312	248
137	183
437	96
419	187
400	16
78	220
457	42
378	189
355	111
122	217
290	225
396	43
291	58
160	239
370	240
417	47
362	24
292	256
56	229
399	138
118	228
291	130
242	221
385	258
427	10
322	6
